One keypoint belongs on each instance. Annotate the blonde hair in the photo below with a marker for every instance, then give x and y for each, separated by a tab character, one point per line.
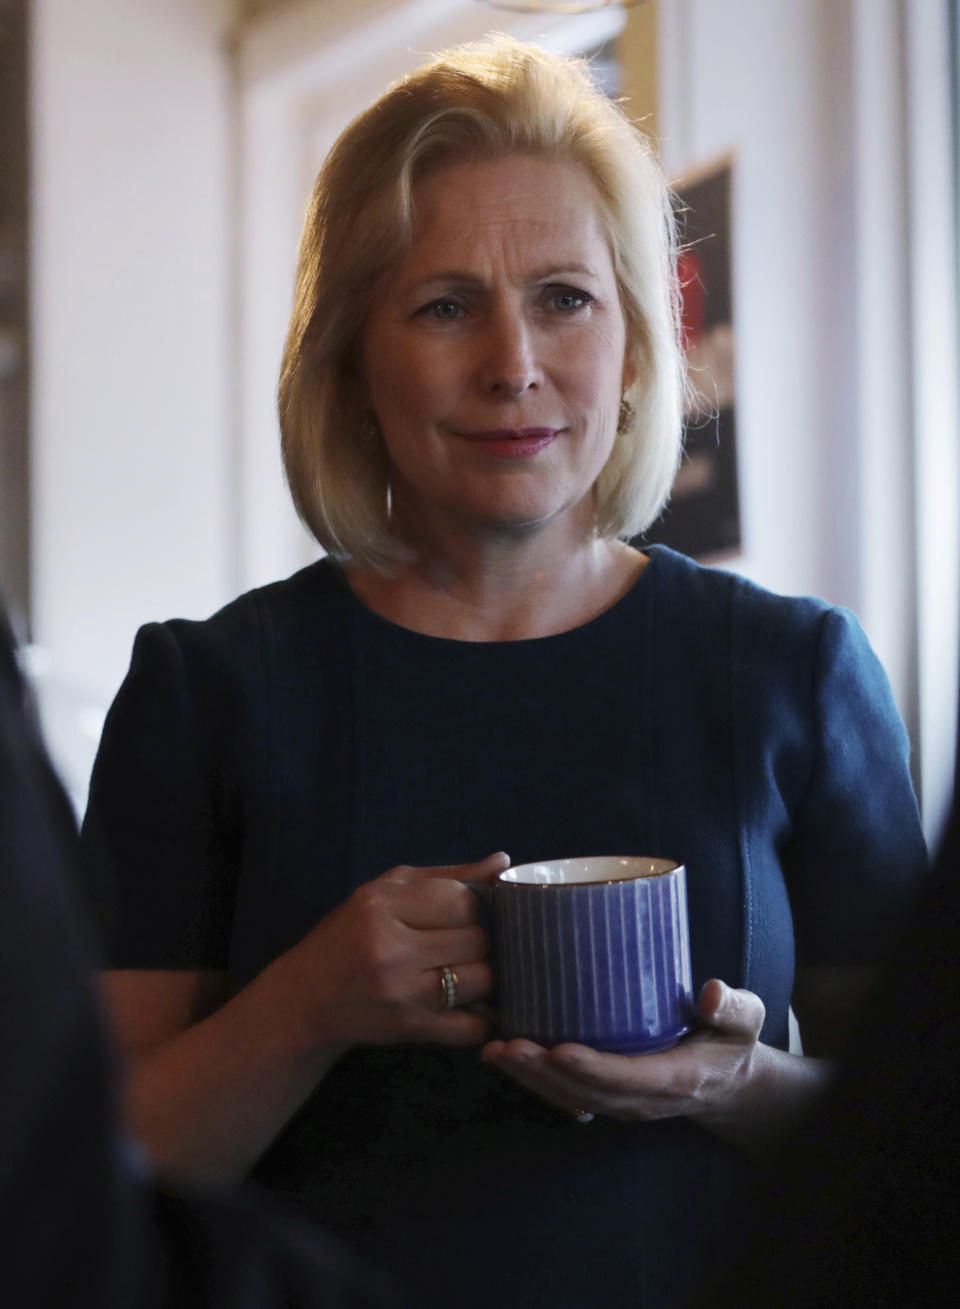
485	100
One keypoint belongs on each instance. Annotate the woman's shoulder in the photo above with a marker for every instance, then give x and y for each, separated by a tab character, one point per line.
779	648
240	642
308	595
698	592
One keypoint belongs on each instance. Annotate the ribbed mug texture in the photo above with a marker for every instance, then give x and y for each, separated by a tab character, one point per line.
607	964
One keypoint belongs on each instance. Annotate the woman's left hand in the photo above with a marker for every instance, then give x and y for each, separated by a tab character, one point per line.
706	1076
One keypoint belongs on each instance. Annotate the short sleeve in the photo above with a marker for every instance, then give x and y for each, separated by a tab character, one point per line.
858	855
152	843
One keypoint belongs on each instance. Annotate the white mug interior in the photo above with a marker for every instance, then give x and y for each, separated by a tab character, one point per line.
588	870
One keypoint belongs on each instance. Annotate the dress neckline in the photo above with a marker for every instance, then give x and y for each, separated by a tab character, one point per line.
612	615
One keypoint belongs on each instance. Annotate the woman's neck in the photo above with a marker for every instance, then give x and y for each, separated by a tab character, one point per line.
509	595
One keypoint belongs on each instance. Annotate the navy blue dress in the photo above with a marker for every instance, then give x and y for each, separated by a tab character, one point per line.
257	767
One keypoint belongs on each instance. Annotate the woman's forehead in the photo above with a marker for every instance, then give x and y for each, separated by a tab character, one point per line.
542	211
519	181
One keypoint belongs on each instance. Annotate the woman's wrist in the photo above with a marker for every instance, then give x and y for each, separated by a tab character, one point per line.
298	1012
774	1092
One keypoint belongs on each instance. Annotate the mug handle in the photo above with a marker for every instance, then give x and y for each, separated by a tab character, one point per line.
488	1008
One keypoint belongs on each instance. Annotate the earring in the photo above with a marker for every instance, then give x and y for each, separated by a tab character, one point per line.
626	415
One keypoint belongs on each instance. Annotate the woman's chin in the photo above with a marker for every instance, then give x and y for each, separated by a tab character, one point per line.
510	520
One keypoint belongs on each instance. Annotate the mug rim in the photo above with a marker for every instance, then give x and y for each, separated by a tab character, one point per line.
668	865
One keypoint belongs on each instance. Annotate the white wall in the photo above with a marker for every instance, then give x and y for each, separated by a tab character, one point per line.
741	75
845	313
131	475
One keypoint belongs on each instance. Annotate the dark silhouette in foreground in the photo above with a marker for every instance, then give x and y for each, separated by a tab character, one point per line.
82	1221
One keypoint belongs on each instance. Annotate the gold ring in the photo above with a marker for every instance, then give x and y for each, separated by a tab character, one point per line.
448	984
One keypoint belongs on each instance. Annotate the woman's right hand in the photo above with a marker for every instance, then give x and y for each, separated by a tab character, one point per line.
212	1079
370	972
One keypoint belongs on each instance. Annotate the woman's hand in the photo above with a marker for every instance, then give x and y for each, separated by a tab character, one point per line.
720	1075
369	973
212	1080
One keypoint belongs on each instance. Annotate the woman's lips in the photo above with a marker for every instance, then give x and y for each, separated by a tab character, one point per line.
513	442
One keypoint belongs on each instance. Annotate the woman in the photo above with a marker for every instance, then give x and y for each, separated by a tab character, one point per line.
480	400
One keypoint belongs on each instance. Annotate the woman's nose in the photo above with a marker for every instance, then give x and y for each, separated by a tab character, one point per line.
509	365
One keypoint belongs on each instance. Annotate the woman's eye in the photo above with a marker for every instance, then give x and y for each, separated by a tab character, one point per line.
568	298
445	311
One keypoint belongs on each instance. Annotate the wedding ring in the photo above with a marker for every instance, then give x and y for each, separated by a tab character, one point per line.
448	984
583	1116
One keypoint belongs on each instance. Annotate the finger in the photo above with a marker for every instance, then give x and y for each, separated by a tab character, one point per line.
433	904
439	947
473	983
734	1012
584	1069
578	1078
484	870
535	1068
516	1049
576	1067
580	1061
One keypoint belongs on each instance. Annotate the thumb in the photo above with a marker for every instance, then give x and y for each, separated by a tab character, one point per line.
485	870
736	1013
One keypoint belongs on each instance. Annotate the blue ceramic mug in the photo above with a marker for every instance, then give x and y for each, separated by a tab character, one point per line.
594	950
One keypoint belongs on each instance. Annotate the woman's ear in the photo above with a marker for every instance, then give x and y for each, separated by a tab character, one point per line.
356	394
354	385
631	366
353	380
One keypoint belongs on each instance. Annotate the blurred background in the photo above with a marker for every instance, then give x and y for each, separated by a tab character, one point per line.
156	160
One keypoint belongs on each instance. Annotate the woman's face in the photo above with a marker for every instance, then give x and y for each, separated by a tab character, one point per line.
493	353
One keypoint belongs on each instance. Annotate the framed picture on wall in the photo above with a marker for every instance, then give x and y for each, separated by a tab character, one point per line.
703	516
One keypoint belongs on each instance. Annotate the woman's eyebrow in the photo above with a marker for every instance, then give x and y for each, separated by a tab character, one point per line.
447	277
460	277
573	268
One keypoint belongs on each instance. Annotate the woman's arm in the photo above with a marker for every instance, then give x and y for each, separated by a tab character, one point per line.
209	1084
211	1081
721	1076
